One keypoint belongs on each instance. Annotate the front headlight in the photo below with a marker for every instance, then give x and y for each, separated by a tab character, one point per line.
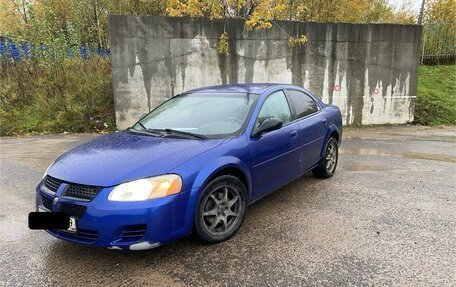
147	188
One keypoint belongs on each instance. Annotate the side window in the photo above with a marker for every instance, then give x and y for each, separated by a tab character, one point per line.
275	106
303	104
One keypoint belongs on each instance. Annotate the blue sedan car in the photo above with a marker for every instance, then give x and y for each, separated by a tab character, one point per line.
192	165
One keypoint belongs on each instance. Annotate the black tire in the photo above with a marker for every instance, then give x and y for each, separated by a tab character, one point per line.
221	209
328	163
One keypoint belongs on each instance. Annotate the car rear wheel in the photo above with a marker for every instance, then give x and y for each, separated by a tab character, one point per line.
221	210
328	163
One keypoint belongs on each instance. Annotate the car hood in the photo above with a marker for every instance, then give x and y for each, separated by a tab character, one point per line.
124	156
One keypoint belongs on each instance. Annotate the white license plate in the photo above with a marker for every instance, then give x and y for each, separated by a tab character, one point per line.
72	228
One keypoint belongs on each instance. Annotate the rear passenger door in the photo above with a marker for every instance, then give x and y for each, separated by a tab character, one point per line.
312	127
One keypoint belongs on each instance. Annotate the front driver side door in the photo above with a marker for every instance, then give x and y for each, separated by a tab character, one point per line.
273	163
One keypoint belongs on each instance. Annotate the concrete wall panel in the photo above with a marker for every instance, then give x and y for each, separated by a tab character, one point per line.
369	71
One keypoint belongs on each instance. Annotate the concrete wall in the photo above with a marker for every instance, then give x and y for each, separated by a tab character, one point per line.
369	71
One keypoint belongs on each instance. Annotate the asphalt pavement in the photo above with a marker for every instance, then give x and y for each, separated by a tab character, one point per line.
386	218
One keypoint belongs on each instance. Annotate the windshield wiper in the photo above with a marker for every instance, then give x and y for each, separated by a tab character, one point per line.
172	131
143	126
144	129
159	132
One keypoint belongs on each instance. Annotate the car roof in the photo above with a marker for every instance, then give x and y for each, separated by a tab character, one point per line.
254	88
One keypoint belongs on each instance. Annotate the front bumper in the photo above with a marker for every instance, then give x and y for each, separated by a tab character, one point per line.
121	225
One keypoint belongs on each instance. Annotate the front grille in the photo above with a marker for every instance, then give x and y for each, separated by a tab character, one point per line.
73	190
82	235
132	233
87	192
47	202
52	183
73	210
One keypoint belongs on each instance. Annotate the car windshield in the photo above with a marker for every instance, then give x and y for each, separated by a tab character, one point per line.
212	115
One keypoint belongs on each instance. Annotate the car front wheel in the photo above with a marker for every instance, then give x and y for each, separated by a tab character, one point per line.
221	209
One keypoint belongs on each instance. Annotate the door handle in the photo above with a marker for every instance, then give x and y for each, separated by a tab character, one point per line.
324	120
293	134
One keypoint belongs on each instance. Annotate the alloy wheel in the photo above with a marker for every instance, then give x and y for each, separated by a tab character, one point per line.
331	157
221	210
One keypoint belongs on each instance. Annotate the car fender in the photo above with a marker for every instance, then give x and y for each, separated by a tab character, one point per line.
217	165
331	128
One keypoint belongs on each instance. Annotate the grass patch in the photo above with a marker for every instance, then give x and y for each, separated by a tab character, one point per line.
70	95
436	95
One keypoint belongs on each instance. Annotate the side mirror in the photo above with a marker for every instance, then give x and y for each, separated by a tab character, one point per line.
142	116
268	125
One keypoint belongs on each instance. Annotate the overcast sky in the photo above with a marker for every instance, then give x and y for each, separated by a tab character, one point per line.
416	4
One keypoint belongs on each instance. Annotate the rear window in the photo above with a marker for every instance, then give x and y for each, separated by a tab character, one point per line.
302	103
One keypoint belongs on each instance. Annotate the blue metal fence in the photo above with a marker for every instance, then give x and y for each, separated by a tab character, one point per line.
11	50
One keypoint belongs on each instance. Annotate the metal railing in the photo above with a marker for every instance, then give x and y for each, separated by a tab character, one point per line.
439	43
13	51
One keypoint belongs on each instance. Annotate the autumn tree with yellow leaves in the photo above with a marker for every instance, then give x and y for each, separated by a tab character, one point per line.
258	15
85	21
